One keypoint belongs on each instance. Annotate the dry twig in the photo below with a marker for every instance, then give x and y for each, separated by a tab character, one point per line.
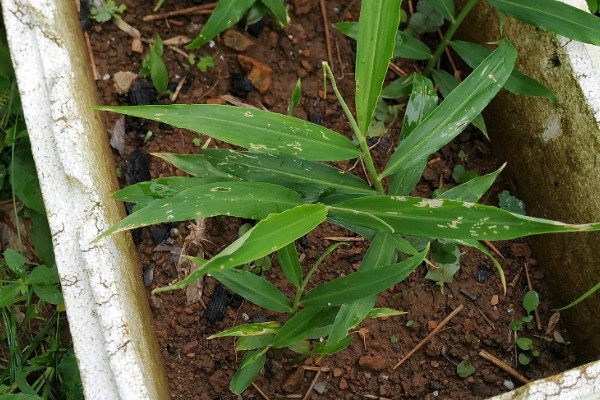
432	334
312	384
260	391
202	9
326	29
88	46
516	278
502	365
26	242
494	249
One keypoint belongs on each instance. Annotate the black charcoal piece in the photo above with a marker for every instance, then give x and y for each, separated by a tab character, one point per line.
85	22
159	234
137	167
256	28
240	85
302	241
483	273
216	307
234	300
142	93
315	118
355	258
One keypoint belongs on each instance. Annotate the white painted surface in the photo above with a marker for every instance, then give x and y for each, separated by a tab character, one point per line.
96	277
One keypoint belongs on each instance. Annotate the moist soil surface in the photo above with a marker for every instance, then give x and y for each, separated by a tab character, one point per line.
197	368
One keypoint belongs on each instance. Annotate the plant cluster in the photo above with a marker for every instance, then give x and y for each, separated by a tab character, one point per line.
40	363
107	11
531	301
282	181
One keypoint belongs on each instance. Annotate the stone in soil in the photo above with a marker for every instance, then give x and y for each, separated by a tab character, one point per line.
293	381
373	362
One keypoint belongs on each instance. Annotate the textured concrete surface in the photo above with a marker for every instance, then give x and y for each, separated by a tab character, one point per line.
553	154
108	315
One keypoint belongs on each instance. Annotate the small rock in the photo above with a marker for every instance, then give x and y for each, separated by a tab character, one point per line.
431	325
508	385
148	274
435	364
258	73
188	347
319	387
494	300
117	136
304	6
293	381
337	372
122	81
343	384
520	250
137	45
469	325
306	65
373	362
219	381
236	40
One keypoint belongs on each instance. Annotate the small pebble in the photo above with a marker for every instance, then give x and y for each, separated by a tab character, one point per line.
319	387
106	77
494	300
211	44
148	273
435	393
245	317
509	385
174	232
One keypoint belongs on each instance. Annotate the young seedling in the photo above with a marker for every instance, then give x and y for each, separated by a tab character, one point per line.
154	66
283	182
465	369
530	303
107	11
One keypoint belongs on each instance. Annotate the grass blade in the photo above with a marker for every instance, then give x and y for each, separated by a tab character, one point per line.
267	236
278	10
299	326
456	111
288	261
377	26
446	83
361	284
240	199
256	130
472	190
553	16
445	219
248	371
517	83
225	15
253	288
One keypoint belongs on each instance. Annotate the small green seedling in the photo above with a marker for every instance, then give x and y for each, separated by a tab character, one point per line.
465	369
526	344
106	11
295	97
197	141
154	66
462	155
409	322
461	175
204	63
511	203
531	301
446	258
393	339
425	19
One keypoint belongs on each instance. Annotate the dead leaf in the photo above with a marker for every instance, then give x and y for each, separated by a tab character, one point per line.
558	337
552	322
258	73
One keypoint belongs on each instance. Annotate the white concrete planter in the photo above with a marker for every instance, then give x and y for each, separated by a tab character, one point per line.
554	150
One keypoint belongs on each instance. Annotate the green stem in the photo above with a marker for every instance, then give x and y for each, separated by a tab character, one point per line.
310	273
362	139
448	37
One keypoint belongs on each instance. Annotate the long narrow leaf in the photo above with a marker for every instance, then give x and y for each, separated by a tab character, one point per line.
444	7
253	288
225	14
456	111
267	236
445	219
288	261
246	374
381	252
553	16
362	284
251	200
278	10
446	83
377	26
423	100
160	188
260	328
195	165
517	83
472	190
256	130
405	46
312	179
299	326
